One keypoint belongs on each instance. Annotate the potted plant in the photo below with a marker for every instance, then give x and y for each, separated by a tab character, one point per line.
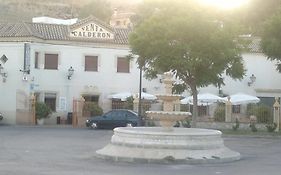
42	111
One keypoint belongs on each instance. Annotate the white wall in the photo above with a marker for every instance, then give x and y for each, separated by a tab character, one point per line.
104	82
268	80
14	53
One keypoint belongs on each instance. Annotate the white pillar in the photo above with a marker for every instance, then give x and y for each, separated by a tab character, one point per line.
276	114
228	110
136	104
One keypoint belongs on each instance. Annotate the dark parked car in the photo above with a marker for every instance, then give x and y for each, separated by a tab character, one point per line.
114	118
1	116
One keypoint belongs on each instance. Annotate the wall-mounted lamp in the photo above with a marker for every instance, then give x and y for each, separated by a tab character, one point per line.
252	79
70	73
25	72
3	73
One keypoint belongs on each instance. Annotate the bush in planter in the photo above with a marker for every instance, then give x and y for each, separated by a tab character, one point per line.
253	127
219	115
92	109
42	110
236	126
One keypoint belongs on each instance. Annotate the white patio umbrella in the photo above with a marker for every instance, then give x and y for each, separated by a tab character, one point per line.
122	96
146	96
207	98
241	98
204	99
186	100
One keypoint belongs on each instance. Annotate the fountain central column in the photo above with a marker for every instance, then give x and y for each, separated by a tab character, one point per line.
168	117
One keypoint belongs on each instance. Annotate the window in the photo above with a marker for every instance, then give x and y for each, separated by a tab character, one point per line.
50	100
36	61
91	98
91	63
123	65
51	61
236	109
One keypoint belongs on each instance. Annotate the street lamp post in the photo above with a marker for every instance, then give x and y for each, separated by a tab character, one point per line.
140	97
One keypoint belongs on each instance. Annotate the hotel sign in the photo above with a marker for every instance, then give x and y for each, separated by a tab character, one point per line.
92	31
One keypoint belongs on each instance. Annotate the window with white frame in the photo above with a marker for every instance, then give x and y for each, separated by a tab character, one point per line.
91	63
123	65
51	61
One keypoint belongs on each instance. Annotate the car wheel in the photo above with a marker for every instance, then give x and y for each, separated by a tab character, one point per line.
129	125
94	125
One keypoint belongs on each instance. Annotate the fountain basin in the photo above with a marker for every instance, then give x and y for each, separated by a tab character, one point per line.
151	144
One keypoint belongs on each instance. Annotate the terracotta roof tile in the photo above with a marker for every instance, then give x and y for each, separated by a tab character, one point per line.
56	32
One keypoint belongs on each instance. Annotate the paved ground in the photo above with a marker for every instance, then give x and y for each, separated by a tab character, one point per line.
68	151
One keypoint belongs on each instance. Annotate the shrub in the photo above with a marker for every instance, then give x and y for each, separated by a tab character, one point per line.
42	110
236	126
271	127
262	112
150	123
253	127
184	123
129	103
92	108
219	114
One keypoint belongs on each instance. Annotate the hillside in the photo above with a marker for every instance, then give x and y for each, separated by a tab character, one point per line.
24	10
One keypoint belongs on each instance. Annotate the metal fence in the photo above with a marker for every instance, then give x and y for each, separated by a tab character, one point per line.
244	113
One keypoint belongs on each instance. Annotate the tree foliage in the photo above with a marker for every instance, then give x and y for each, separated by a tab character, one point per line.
256	12
271	39
98	8
183	38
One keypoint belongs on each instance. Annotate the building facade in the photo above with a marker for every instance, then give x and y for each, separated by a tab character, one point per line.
38	58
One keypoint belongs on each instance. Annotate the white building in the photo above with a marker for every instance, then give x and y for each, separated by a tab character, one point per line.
267	80
35	58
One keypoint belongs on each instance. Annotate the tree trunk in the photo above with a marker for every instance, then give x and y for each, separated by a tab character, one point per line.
195	106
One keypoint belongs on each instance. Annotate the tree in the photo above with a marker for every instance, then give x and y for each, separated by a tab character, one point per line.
271	39
181	38
101	9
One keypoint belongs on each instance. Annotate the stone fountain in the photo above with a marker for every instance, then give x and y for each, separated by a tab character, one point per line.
167	144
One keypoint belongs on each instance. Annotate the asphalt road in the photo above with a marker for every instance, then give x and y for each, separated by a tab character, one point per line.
68	151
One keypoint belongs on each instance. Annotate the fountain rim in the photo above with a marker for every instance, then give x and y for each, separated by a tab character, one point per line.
159	131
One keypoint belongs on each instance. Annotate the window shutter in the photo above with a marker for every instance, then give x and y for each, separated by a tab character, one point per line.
91	63
123	65
51	61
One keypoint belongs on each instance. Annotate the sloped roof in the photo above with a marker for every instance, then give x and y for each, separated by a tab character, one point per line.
58	32
89	19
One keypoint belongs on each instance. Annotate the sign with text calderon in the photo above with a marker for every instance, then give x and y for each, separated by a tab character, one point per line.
91	31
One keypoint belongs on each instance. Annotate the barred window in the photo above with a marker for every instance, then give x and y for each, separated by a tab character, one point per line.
236	109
